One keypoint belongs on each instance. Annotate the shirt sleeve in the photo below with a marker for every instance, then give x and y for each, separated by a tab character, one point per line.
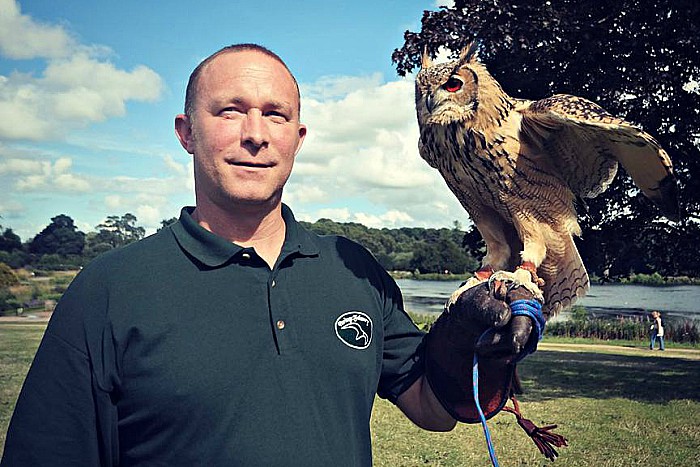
402	361
63	414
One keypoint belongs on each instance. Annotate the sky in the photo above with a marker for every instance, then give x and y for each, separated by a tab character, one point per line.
89	91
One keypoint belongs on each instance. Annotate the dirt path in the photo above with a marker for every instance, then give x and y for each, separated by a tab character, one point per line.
34	317
641	350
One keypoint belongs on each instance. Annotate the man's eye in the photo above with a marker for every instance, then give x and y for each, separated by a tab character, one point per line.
276	116
230	111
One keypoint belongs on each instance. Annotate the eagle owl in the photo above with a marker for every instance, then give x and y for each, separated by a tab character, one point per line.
517	166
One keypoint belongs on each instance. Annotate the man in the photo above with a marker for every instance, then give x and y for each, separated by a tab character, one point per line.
233	337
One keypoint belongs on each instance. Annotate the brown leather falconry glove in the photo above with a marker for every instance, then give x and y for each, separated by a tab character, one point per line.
501	322
460	332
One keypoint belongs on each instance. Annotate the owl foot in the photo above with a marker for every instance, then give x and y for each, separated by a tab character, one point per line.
484	272
529	266
501	282
480	276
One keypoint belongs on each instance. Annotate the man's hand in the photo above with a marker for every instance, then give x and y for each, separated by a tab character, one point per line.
459	333
485	306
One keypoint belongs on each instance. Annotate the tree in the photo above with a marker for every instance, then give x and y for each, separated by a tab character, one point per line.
166	222
119	231
60	237
636	58
9	241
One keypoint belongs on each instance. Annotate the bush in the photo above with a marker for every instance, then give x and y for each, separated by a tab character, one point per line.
621	328
583	326
7	277
8	301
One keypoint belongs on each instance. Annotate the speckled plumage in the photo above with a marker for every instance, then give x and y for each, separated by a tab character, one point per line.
517	166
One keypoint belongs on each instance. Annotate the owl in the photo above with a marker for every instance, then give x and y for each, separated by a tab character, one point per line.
518	166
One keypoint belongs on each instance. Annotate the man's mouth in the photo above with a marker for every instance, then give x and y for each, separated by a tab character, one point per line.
252	165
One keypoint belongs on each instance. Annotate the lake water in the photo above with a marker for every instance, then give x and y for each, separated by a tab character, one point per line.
676	302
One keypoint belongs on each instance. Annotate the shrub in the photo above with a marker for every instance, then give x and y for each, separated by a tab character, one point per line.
7	277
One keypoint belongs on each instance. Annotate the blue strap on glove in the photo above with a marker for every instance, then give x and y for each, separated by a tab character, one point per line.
533	309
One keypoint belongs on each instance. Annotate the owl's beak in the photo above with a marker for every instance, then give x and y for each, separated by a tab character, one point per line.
430	103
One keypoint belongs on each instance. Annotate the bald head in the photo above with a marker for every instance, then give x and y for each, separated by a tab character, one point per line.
193	83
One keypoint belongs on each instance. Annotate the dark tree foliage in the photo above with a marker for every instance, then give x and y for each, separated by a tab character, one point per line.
166	222
60	237
407	248
10	241
118	231
638	59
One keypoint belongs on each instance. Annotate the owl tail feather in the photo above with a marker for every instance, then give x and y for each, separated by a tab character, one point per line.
565	277
543	437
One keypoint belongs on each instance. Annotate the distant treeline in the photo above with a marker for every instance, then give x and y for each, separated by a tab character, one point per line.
616	254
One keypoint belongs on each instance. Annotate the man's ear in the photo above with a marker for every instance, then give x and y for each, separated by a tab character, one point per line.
302	135
183	130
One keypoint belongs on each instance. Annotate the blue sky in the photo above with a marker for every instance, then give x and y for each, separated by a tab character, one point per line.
89	90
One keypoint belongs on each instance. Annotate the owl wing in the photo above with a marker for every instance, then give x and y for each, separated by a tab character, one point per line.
586	143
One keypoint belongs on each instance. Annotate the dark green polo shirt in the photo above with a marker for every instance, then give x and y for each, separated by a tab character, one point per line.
186	349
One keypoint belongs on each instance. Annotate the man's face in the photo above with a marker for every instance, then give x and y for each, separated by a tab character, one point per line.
244	131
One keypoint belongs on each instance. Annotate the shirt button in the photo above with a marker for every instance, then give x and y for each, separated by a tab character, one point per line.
245	255
280	324
274	283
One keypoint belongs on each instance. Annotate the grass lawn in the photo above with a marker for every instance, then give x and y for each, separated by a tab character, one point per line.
618	406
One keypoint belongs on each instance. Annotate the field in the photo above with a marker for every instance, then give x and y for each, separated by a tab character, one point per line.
618	406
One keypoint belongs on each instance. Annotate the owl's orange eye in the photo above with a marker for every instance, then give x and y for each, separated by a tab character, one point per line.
453	85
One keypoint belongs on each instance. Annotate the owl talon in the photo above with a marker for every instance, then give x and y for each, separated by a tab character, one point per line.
484	272
530	267
482	275
520	278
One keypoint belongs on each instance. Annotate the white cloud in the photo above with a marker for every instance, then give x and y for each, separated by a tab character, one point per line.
447	3
44	176
362	150
113	202
334	87
174	166
391	218
16	166
337	214
11	207
149	215
23	38
77	87
306	194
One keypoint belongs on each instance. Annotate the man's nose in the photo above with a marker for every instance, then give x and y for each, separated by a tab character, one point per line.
254	130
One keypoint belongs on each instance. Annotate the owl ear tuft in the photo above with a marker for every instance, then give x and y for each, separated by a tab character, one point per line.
469	54
426	61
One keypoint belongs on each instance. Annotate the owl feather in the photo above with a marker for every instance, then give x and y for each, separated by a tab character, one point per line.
518	167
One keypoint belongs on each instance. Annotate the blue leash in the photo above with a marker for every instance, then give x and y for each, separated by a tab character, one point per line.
533	309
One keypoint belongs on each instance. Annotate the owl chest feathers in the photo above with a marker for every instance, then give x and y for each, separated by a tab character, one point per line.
476	163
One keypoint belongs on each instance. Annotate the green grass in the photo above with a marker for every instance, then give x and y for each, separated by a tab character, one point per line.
639	408
18	343
618	406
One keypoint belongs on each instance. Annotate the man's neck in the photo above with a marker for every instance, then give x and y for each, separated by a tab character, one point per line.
261	229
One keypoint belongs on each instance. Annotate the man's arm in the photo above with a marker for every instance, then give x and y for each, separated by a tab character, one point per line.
54	420
421	406
64	415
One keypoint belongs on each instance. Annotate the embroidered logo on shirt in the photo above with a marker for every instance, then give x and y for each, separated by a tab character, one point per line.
354	329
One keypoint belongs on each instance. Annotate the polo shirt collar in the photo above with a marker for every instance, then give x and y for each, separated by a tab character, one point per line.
213	250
